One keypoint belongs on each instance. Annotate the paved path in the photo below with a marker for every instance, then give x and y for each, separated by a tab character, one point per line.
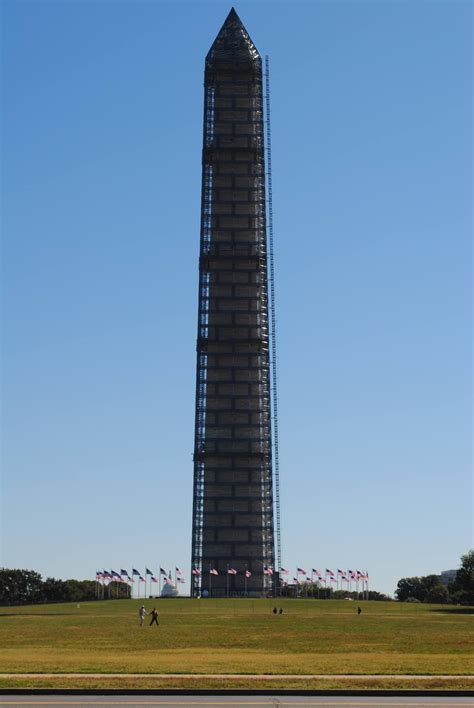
246	701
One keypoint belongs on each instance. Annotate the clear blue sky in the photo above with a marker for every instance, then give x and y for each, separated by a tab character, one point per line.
372	155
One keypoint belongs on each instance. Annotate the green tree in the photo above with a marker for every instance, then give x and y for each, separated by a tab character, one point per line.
410	588
437	594
461	589
54	590
19	587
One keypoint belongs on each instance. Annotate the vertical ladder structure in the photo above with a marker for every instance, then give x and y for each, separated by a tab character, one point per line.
273	338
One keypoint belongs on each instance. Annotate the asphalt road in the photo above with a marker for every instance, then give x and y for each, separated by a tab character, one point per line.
242	701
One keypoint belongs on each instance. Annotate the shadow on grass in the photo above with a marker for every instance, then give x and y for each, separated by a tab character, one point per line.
38	614
455	610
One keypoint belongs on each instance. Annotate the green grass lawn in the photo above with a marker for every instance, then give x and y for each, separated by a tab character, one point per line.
235	637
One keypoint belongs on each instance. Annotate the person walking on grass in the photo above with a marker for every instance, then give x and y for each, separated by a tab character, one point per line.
142	614
154	616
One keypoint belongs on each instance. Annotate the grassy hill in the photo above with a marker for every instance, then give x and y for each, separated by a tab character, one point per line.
235	637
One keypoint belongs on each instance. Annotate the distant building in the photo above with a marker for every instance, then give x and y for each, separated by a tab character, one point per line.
447	576
169	590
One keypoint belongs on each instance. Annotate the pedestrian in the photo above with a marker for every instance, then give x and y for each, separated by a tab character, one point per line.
154	616
280	612
359	611
275	610
142	614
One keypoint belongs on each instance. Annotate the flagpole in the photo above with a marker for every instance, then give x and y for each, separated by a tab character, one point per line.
245	581
227	580
210	580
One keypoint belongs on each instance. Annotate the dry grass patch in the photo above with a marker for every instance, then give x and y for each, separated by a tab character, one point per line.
237	636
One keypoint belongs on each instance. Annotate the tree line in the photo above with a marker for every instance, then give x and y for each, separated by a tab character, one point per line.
27	587
22	587
311	590
429	588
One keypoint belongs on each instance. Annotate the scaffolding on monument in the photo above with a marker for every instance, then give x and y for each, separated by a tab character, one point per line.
272	304
233	451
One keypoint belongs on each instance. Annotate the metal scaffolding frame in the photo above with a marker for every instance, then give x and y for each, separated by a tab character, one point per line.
233	505
273	336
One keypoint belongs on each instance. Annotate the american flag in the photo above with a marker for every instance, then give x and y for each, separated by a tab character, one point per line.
340	572
213	571
180	572
181	580
135	571
301	570
142	579
196	571
163	572
231	571
267	570
284	571
248	573
321	579
153	579
333	579
148	571
296	580
329	572
123	572
308	580
318	572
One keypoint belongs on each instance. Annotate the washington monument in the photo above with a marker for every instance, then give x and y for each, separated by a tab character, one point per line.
233	526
